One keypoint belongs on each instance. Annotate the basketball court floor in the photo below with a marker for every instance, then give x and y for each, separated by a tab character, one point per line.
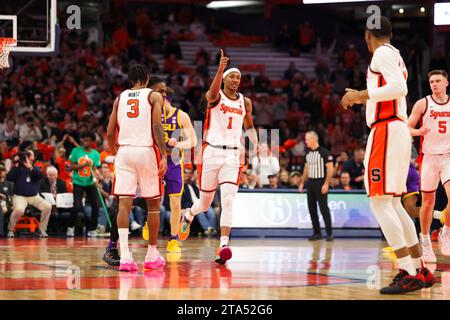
72	269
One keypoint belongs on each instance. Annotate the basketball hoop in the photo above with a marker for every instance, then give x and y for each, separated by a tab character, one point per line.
5	47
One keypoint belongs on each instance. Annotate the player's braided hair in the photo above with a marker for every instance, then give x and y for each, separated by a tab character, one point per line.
138	73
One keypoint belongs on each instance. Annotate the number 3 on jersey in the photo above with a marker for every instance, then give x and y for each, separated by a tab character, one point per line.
134	104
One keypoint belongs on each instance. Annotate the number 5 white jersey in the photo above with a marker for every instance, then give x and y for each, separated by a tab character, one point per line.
224	121
134	118
436	118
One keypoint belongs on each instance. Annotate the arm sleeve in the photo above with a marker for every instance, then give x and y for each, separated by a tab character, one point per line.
386	61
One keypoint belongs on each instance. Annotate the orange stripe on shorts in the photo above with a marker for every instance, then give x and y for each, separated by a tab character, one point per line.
377	161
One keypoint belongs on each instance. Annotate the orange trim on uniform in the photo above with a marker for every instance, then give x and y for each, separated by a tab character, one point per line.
377	162
158	160
420	152
445	182
200	167
385	109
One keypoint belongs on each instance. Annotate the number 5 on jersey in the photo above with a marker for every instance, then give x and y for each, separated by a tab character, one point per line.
442	126
134	106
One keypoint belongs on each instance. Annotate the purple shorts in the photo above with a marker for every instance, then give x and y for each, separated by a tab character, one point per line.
413	181
174	178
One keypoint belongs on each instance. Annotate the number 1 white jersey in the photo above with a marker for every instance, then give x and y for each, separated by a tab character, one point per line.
436	118
224	121
134	118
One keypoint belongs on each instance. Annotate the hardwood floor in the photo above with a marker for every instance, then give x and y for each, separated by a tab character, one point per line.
260	269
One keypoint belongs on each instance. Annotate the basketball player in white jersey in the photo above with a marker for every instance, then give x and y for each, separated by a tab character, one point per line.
388	154
433	112
140	160
227	112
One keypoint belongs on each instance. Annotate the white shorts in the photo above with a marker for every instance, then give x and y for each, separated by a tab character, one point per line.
137	166
218	166
433	168
388	154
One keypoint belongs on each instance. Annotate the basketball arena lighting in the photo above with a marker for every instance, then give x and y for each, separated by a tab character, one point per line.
422	9
230	4
401	10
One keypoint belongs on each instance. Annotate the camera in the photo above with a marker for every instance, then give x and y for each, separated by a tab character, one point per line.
21	158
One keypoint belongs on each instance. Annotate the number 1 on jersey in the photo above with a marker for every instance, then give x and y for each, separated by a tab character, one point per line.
230	123
134	103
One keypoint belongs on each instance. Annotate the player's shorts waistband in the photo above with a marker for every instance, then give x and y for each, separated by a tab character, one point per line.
221	147
384	121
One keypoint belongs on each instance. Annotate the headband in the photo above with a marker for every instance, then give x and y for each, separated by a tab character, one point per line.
226	73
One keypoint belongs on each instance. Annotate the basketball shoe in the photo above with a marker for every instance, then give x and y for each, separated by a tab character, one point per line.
158	263
173	246
185	226
145	232
403	283
428	276
128	264
112	257
223	254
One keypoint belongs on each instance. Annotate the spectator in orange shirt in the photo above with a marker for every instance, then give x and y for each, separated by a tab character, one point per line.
121	38
107	157
351	57
171	64
306	36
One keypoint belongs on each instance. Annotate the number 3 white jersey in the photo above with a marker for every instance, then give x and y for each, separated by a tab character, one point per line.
134	118
224	121
436	118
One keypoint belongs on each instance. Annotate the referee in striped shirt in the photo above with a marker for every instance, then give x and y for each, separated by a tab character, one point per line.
318	172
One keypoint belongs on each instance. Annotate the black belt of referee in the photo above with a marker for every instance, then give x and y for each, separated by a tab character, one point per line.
222	147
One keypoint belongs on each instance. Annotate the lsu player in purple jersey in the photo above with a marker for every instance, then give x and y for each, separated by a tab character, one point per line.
179	134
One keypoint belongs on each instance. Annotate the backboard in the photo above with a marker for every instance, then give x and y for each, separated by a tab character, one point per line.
31	22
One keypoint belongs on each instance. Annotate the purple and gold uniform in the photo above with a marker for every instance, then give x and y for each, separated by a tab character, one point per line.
413	182
174	175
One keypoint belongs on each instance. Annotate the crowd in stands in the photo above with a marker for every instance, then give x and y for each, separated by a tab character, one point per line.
46	103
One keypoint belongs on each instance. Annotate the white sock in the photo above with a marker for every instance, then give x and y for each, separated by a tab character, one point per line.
152	254
437	214
189	215
417	262
407	264
123	240
224	241
425	238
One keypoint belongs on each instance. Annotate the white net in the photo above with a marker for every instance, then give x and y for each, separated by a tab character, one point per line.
5	47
